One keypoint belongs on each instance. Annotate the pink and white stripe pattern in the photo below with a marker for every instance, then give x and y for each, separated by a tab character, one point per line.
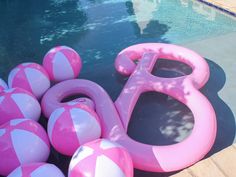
31	77
36	170
18	103
62	63
3	85
71	126
101	158
22	141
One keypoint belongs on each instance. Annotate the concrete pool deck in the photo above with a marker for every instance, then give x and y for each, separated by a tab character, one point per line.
222	164
227	5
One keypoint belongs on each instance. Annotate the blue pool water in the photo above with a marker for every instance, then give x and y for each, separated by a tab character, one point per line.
98	30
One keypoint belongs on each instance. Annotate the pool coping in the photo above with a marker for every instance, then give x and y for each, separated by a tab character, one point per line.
218	7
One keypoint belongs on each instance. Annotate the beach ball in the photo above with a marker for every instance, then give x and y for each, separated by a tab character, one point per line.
3	85
71	126
31	77
22	141
62	63
101	158
36	170
18	103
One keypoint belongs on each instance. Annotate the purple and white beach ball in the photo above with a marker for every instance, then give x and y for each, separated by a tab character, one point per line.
22	141
3	85
71	126
62	63
101	158
31	77
36	170
18	103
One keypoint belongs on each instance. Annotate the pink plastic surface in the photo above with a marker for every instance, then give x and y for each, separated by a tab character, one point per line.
18	103
31	77
62	63
22	141
101	158
36	170
71	126
85	102
115	117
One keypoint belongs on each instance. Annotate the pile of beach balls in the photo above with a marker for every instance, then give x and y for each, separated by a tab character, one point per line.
73	130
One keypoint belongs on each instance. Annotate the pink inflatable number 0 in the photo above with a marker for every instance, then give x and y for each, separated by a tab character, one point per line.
115	117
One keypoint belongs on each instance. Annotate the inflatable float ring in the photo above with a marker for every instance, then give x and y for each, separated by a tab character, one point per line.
115	117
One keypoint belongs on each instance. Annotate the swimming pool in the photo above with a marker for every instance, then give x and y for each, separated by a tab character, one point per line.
98	30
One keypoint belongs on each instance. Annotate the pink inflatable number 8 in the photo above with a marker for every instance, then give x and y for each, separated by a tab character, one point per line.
115	117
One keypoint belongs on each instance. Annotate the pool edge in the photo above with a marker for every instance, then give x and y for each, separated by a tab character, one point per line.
218	7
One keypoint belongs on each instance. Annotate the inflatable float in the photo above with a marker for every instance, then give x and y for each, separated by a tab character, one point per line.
115	117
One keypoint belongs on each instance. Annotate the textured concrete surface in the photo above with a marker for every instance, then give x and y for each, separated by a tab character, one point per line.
222	164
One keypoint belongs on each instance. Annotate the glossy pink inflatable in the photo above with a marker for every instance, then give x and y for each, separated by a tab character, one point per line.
115	118
72	126
36	170
85	101
62	63
22	141
101	158
31	77
17	103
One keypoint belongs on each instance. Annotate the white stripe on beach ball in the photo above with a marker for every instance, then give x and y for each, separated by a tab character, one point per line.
84	121
66	71
34	76
104	162
26	102
26	138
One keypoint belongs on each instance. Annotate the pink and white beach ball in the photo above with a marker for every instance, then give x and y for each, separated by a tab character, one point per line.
18	103
71	126
22	141
101	158
62	63
31	77
36	170
3	85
